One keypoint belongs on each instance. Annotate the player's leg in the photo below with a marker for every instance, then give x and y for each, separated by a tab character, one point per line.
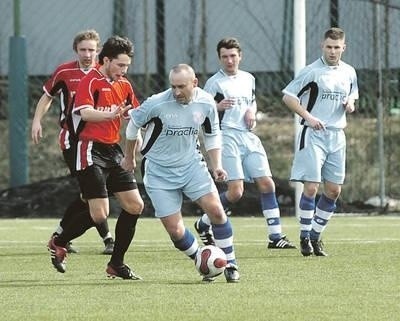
271	212
307	163
324	210
182	238
167	207
58	244
105	234
223	232
333	173
76	207
124	187
201	188
232	163
92	183
203	224
306	214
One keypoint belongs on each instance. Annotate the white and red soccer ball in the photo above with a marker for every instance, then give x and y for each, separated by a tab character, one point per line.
210	261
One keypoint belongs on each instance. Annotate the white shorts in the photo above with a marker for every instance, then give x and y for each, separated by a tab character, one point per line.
320	156
243	156
166	186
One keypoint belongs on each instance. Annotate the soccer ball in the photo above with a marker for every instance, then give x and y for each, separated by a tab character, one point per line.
210	261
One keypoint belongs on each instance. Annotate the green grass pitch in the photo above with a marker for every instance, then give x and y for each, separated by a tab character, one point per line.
360	280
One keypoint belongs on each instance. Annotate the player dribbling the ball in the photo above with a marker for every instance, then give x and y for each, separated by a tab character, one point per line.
173	165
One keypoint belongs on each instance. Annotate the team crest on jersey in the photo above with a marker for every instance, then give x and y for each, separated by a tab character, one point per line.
198	117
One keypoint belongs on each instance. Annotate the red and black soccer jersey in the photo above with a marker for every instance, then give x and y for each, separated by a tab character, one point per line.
64	82
95	91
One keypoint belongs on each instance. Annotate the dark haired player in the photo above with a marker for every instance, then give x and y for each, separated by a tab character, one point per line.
243	155
101	102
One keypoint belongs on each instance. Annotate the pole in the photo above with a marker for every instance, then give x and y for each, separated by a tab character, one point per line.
18	104
299	41
381	143
160	40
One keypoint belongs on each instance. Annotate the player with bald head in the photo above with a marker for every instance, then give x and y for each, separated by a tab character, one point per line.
173	165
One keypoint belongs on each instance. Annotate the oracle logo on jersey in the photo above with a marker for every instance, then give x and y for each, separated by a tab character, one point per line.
74	80
181	131
336	96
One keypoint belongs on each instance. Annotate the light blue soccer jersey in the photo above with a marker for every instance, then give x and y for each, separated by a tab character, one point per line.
241	88
323	89
174	164
172	129
243	155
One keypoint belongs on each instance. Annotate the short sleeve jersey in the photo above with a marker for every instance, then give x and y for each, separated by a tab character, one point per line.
95	91
172	129
64	82
323	89
241	88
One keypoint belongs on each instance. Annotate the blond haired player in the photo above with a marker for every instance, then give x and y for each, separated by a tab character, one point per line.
321	94
63	83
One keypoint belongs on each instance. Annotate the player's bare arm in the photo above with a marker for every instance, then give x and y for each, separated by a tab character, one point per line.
294	105
42	107
129	161
216	165
94	115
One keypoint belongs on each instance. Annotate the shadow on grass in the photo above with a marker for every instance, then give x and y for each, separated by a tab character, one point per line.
28	283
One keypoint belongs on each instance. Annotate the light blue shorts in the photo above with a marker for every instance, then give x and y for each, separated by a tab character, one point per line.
320	156
243	156
167	186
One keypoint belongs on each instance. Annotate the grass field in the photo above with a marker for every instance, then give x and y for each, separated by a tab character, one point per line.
360	280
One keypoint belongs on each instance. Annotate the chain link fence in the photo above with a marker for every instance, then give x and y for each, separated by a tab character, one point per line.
174	31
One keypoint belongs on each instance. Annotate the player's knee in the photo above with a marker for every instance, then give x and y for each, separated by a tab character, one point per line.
176	232
235	191
235	195
310	190
135	207
333	193
217	215
265	184
99	217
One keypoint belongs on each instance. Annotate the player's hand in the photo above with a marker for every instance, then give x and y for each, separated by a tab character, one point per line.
226	103
219	174
250	119
315	123
128	164
36	132
349	105
120	111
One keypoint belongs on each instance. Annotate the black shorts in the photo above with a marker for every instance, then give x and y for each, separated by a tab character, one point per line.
70	159
98	182
106	176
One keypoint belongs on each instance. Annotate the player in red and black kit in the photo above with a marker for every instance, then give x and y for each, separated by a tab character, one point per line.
63	83
102	100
